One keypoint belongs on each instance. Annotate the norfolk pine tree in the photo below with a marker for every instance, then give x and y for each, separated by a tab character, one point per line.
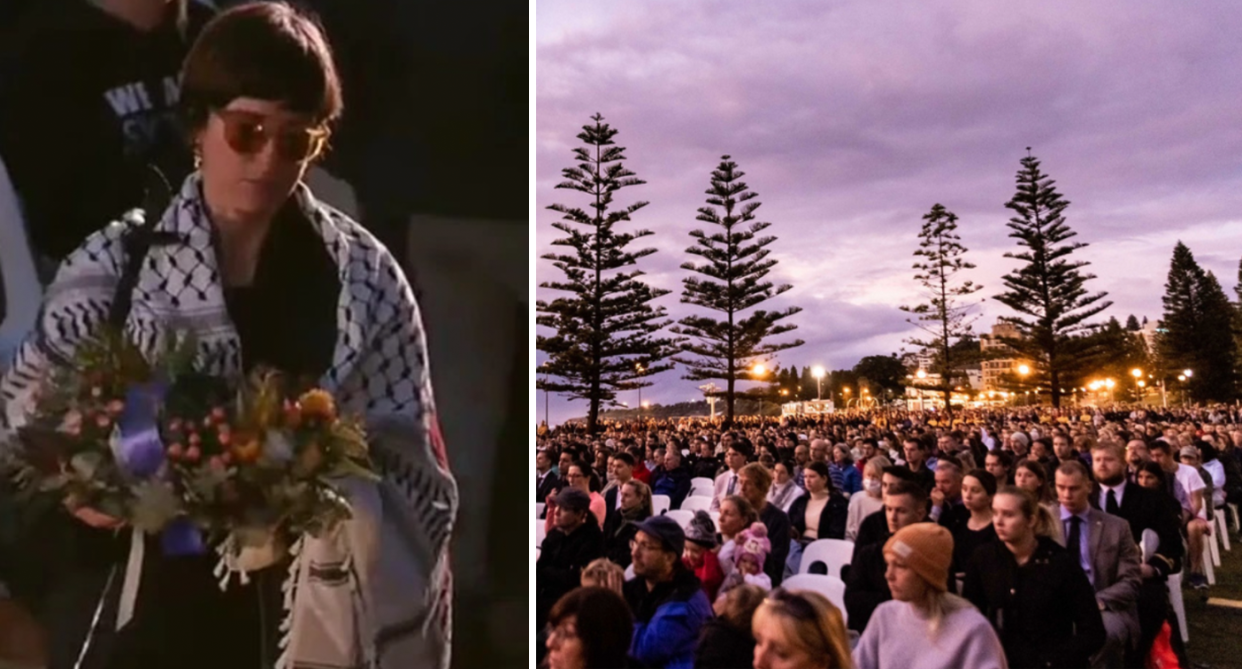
1197	330
1049	291
735	264
945	316
605	329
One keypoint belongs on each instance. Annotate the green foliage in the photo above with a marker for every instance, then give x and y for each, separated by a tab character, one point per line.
1197	330
732	283
605	325
1048	291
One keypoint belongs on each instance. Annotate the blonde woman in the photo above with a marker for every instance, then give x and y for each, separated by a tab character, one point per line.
868	500
923	625
797	629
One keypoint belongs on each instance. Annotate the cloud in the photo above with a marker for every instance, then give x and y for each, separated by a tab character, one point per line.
851	119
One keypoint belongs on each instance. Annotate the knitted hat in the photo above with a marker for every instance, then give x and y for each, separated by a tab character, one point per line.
752	542
1189	451
702	530
1021	437
927	548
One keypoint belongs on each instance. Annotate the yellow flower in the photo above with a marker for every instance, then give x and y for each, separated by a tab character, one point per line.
318	404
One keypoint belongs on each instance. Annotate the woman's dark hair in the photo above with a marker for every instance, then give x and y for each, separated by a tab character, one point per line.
603	621
264	50
1155	470
821	469
985	479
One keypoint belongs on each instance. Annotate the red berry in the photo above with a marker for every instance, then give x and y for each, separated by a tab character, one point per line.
193	454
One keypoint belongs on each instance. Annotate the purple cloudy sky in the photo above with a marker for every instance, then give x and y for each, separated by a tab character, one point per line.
852	118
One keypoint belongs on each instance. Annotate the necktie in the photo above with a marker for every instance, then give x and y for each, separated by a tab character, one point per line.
1111	505
1074	542
732	482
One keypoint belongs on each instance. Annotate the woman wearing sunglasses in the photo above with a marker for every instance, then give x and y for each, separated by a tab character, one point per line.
261	273
797	629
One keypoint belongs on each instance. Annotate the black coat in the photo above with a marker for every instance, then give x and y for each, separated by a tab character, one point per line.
777	523
865	585
560	564
723	646
617	536
1044	612
873	529
672	482
546	488
831	520
1146	509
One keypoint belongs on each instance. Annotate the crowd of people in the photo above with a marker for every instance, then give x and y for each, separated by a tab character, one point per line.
1030	537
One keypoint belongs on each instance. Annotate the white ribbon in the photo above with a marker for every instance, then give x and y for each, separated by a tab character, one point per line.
129	583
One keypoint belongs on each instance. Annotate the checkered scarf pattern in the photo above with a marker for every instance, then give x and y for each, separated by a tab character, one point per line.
379	369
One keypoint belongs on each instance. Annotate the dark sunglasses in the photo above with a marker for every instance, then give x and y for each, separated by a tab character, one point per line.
247	133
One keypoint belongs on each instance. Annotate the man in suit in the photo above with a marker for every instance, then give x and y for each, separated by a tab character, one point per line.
545	479
622	467
736	457
1143	510
1109	557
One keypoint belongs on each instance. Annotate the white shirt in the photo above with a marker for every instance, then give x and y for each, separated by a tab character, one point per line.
1217	471
1118	491
1191	481
721	488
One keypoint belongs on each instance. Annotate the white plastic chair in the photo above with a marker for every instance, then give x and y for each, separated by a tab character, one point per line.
682	517
1151	541
702	486
834	553
1213	546
661	503
539	509
540	533
1237	521
1222	526
696	502
829	586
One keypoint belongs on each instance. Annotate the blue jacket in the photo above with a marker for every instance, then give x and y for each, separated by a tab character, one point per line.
667	619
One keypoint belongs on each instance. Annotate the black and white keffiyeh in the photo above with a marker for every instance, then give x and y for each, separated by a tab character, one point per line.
376	593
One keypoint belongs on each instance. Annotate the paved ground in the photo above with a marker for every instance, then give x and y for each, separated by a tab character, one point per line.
1216	632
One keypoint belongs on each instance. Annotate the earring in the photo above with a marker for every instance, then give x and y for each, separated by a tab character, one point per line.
198	157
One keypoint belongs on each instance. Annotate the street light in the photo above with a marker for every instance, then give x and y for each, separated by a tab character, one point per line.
921	373
818	373
1188	373
1024	370
638	367
546	402
1136	373
758	370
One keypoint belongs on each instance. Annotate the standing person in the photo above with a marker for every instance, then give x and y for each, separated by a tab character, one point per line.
88	99
799	629
263	274
924	626
978	488
871	498
589	629
727	641
1032	590
620	528
667	599
755	481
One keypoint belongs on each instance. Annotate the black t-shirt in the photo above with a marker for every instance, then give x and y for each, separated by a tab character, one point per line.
86	102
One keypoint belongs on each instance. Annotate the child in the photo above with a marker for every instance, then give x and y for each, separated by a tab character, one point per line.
751	552
698	555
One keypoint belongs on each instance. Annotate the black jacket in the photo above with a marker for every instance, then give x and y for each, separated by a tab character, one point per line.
560	564
1044	612
675	483
831	520
777	523
542	490
865	585
873	529
1145	509
723	646
617	536
86	101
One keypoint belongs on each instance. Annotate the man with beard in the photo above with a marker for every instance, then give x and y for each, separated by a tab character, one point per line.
1143	509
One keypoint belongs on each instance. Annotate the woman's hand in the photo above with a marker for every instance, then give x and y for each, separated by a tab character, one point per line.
94	517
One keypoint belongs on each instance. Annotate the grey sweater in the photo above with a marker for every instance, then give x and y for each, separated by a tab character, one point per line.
897	637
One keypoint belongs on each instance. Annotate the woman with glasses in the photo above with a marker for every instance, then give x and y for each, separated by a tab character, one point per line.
796	629
923	625
589	628
249	262
578	475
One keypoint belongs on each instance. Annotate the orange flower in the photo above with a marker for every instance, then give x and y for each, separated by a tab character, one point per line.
318	404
